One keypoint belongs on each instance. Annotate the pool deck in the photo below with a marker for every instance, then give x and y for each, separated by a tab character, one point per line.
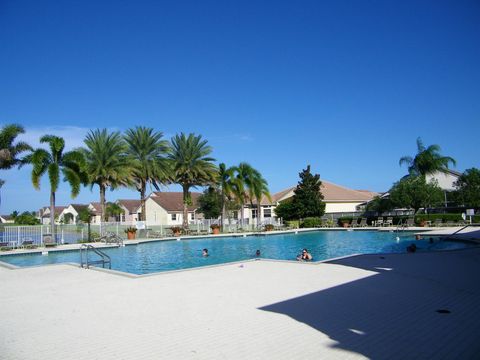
367	306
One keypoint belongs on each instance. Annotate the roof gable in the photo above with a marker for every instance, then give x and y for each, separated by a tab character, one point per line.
173	201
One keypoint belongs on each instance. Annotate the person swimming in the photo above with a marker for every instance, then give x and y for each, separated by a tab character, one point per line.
304	256
257	253
205	252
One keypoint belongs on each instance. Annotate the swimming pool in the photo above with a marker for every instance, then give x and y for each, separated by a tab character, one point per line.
158	256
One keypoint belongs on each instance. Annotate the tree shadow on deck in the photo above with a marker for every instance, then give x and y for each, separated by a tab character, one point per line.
394	313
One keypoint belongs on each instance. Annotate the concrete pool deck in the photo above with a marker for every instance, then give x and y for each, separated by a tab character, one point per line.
367	306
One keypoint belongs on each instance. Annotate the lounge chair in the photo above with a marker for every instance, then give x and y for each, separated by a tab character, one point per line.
354	223
438	222
28	244
363	222
389	221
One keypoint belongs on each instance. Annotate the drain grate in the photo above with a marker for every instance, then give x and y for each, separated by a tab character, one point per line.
443	311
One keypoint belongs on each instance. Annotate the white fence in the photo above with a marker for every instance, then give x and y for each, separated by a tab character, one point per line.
17	236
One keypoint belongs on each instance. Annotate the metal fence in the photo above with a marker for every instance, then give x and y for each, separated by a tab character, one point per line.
18	236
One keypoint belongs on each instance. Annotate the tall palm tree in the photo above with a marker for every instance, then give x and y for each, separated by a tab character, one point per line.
9	150
56	162
147	151
191	166
226	182
107	164
427	161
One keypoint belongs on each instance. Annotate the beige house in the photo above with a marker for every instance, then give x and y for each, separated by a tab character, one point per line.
131	210
166	208
337	198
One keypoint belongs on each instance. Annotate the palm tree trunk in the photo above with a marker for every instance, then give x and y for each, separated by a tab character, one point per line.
143	216
258	213
52	214
223	209
242	215
102	203
185	206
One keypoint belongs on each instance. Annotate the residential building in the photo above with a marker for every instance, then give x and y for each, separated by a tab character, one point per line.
132	210
166	208
44	214
337	198
6	219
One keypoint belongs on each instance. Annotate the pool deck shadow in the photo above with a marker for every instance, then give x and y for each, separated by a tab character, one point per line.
394	313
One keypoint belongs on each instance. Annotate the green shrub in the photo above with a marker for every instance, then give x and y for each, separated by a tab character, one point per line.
311	222
346	219
293	224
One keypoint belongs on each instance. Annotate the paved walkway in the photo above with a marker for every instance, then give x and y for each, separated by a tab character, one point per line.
361	307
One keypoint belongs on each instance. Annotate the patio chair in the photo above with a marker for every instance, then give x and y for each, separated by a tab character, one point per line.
363	222
379	221
410	222
389	221
49	241
5	246
354	223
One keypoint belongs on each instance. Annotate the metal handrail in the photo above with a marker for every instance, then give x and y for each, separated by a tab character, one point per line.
84	260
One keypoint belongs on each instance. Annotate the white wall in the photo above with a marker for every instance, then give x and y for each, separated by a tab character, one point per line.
445	180
331	207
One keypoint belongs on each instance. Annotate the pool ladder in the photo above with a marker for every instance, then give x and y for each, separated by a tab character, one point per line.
86	263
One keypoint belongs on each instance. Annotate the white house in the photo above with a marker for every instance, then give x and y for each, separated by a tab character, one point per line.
69	215
44	214
6	219
445	179
166	208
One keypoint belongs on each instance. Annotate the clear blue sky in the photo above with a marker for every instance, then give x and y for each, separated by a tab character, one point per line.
346	86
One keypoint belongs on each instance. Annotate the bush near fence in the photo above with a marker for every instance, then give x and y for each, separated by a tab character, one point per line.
311	222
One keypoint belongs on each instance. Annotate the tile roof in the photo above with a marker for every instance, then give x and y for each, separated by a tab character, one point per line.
131	205
173	201
58	210
331	193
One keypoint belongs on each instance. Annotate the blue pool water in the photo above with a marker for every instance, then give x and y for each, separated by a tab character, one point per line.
172	255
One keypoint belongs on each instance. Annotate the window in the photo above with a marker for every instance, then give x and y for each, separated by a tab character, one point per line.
235	215
192	216
254	213
267	213
174	217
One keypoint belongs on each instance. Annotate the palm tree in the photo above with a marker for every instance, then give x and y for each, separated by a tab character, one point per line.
55	163
250	185
147	151
259	188
427	161
226	182
191	166
240	185
107	164
9	150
